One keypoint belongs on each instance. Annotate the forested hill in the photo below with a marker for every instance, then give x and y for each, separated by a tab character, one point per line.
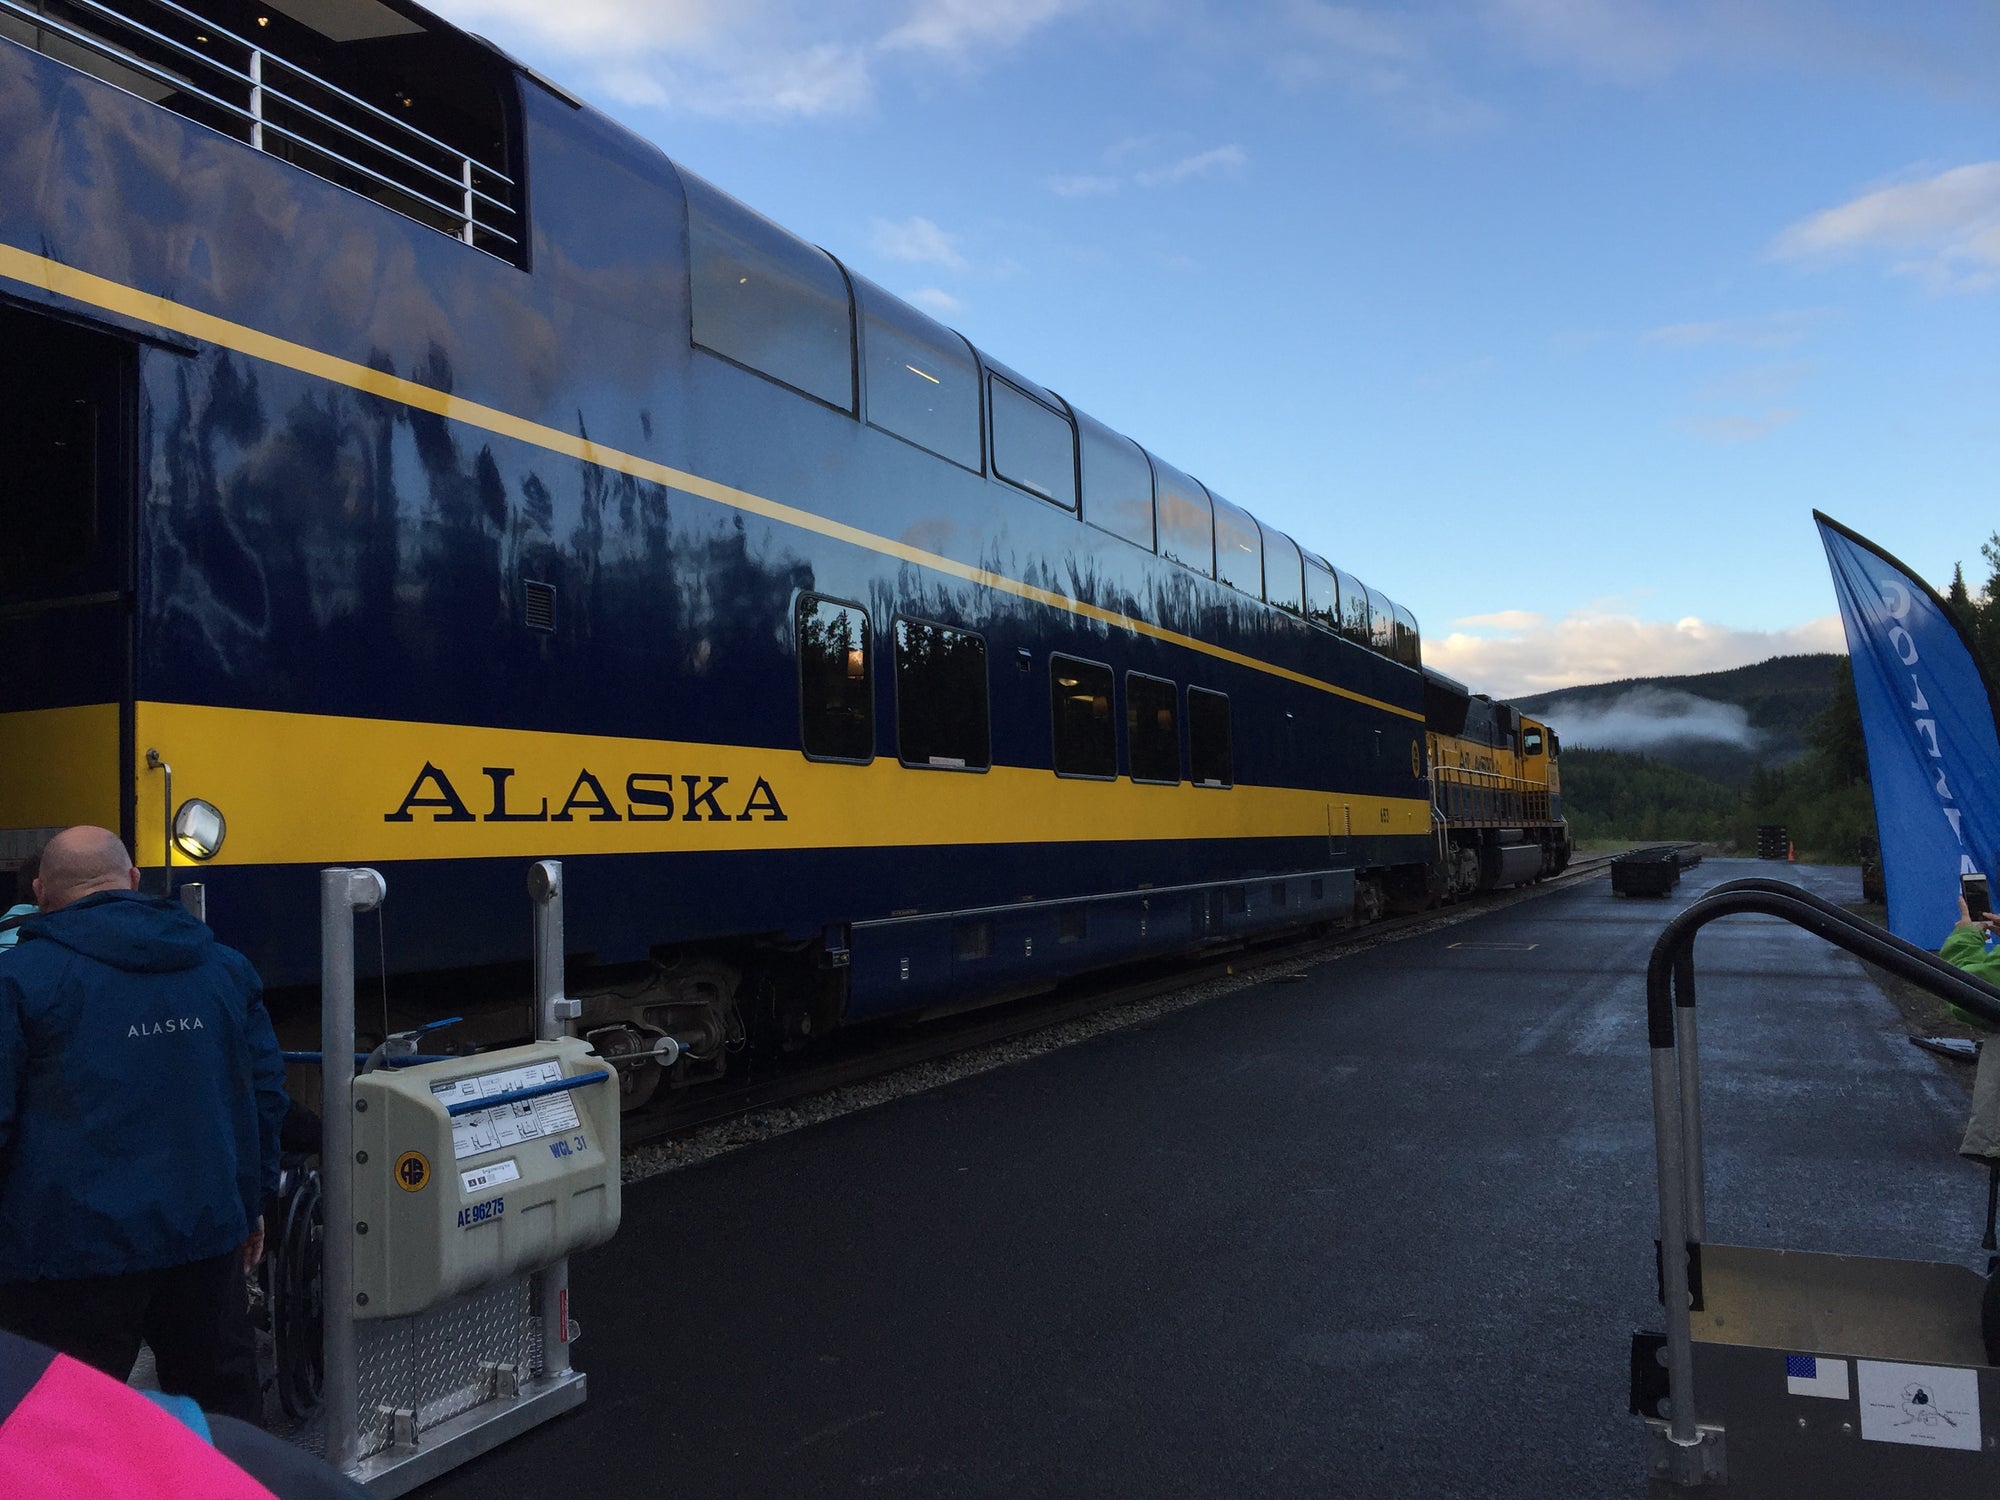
1721	725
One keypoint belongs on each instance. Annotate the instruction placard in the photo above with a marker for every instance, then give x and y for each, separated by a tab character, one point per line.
506	1125
1932	1406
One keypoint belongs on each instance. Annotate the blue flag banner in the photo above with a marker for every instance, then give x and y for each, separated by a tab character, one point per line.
1928	717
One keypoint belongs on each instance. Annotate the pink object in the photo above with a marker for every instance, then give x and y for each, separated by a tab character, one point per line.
80	1435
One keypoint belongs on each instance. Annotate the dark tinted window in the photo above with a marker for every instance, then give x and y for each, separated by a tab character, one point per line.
836	680
1208	738
1381	623
1152	728
1086	740
1408	651
940	696
1033	445
1239	549
1353	609
1322	596
1187	521
1282	571
767	300
919	379
1117	483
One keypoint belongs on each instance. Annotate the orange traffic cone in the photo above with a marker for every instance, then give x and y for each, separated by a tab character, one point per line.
1791	854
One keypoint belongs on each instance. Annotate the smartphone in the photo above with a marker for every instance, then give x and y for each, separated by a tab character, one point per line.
1978	899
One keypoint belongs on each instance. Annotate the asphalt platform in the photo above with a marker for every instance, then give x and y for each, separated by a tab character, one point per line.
1383	1231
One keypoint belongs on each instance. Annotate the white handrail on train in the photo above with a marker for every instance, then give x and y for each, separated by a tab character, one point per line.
396	142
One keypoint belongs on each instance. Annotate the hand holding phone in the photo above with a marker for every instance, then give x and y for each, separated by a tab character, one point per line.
1978	898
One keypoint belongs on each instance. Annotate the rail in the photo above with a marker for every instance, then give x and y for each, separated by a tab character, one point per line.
1670	1026
188	63
1469	797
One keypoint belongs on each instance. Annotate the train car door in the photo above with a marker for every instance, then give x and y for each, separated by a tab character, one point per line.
67	500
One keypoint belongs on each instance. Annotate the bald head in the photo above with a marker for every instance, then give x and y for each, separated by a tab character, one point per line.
80	862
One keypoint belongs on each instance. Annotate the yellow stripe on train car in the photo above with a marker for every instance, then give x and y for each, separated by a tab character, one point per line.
59	766
316	789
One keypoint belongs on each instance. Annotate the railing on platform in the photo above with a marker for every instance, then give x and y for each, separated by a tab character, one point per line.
1686	1444
181	60
1466	796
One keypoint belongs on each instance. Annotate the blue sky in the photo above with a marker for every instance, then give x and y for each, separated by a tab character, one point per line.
1553	319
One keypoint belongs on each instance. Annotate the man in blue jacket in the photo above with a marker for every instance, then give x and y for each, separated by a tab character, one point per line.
141	1092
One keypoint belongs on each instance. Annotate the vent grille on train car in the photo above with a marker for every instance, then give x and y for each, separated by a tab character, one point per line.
541	610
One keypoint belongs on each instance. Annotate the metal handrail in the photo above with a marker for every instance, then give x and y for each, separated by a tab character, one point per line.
1534	795
1676	1074
464	212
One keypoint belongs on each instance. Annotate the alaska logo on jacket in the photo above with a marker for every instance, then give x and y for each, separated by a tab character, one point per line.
162	1028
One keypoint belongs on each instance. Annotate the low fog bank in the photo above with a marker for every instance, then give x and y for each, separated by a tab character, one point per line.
1649	719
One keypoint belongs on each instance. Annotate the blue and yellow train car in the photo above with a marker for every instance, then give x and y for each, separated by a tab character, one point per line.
1496	789
406	465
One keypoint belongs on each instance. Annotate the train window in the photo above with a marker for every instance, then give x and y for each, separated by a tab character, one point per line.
918	378
1555	745
767	300
1187	519
1282	571
1381	623
1117	483
1353	608
941	697
1322	596
1409	650
1531	739
1086	740
836	685
1208	738
1239	549
1152	729
1033	445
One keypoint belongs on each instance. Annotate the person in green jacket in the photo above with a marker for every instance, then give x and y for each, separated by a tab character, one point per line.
1969	948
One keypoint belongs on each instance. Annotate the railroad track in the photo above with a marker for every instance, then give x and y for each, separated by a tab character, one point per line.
865	1057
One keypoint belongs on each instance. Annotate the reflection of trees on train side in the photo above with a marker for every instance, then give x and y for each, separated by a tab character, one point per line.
941	696
836	676
361	555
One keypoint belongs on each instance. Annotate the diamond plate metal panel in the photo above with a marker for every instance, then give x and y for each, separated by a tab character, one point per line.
430	1363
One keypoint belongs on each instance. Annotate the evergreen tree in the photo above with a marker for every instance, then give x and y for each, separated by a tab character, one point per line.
1959	601
1987	632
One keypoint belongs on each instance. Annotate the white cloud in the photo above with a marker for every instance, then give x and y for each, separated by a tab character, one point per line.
1201	164
1625	41
1647	718
1532	654
954	28
1943	229
937	300
1728	430
1390	57
754	59
915	239
1778	330
1083	185
1505	620
1760	384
